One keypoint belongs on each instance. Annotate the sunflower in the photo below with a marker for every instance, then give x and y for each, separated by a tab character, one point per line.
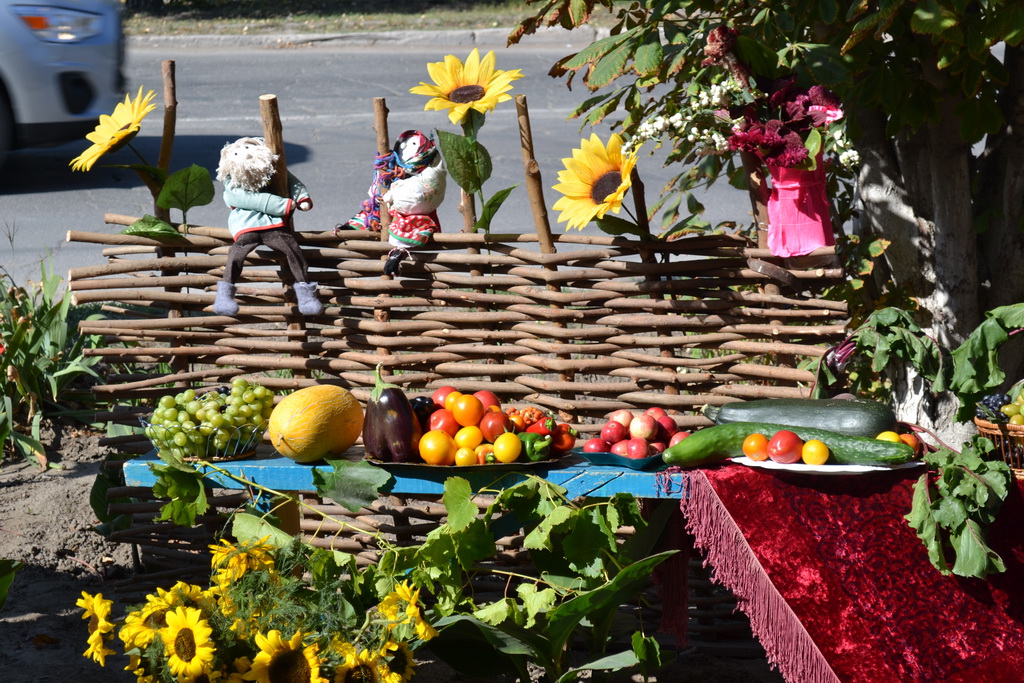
396	662
187	643
116	130
97	611
362	666
476	85
240	667
231	562
141	626
594	181
284	661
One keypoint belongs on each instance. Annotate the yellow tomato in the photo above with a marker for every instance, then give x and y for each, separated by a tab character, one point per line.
469	437
814	452
465	456
467	410
889	436
450	399
437	448
507	447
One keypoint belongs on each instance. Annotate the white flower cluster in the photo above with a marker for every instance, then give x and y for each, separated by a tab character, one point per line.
700	122
848	156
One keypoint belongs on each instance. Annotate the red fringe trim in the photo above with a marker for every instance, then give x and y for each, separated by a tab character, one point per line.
785	640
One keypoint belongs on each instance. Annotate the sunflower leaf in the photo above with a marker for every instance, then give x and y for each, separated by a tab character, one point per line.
613	225
151	226
186	188
468	162
491	207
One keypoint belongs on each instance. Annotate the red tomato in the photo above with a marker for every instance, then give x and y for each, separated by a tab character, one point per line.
440	394
785	447
494	425
443	420
488	398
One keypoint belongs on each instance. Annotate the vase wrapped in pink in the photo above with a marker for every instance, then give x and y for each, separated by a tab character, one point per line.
784	131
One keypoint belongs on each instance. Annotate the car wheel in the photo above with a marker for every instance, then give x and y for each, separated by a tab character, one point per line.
6	127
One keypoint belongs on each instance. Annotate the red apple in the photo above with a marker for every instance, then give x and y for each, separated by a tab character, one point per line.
488	398
657	446
619	447
677	437
643	427
596	445
655	412
637	448
623	417
614	431
666	428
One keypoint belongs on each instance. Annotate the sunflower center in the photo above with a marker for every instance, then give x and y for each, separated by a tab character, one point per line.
289	667
361	673
466	93
605	185
94	623
185	645
400	662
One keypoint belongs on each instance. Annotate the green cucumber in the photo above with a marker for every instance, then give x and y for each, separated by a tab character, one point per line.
853	417
724	441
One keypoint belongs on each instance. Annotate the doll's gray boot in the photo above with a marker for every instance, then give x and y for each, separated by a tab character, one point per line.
305	294
225	303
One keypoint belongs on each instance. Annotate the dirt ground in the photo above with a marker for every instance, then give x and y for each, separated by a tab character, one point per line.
46	522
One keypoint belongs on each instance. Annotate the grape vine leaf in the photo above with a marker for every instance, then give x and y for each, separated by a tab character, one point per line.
458	501
352	485
186	493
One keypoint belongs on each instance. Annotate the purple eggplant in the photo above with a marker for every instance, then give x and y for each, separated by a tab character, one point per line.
391	430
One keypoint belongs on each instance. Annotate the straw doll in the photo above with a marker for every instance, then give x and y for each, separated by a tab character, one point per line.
260	218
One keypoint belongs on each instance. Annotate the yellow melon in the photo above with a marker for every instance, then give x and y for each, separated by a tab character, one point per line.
317	422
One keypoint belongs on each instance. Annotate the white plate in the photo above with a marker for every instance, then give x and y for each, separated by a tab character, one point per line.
823	469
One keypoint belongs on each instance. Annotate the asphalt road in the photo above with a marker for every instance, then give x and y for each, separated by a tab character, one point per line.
325	93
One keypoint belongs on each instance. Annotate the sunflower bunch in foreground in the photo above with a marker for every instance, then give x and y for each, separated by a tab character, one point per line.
468	91
295	614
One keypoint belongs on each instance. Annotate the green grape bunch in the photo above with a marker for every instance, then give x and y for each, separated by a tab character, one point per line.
220	423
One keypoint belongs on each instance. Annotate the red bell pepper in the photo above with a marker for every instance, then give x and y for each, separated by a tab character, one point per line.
543	426
563	438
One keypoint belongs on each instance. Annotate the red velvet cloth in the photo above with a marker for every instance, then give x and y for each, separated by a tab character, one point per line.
839	588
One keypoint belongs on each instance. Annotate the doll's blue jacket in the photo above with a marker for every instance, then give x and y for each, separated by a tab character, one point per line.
263	210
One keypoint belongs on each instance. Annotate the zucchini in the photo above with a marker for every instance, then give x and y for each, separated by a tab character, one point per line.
853	417
724	441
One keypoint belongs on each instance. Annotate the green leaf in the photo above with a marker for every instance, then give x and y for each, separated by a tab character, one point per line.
491	207
564	619
973	557
613	225
248	528
477	649
495	613
615	662
921	521
540	536
931	17
467	160
535	601
186	492
647	59
8	568
186	188
151	226
353	485
608	68
458	501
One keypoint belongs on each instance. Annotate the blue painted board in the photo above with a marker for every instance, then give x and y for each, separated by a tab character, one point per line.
579	477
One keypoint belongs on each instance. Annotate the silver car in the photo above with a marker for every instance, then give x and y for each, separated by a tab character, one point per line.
60	68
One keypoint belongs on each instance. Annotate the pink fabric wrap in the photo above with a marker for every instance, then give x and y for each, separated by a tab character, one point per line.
798	211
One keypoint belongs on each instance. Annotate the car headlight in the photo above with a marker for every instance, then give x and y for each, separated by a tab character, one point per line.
59	24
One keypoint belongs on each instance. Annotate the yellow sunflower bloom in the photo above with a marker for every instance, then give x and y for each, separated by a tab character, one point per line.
424	631
116	130
594	181
460	87
232	562
361	666
141	626
240	667
396	663
97	611
284	660
187	643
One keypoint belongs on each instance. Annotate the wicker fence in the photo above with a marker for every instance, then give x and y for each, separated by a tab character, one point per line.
599	324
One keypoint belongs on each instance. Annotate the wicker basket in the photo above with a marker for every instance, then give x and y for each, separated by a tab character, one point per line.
1008	439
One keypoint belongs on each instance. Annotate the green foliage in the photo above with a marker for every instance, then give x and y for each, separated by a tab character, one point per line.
954	504
8	568
41	360
152	227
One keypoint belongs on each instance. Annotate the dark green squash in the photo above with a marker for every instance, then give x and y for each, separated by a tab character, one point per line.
853	416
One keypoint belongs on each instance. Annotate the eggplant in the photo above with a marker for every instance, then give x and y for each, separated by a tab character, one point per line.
391	429
424	407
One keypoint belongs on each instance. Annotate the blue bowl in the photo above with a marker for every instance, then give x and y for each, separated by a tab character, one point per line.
652	462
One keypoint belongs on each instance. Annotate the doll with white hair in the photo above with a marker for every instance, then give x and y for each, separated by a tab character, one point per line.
260	218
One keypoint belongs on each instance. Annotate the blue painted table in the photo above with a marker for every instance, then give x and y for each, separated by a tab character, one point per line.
578	476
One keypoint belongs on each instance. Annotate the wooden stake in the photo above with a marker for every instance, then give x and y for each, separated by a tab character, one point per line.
534	187
380	126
